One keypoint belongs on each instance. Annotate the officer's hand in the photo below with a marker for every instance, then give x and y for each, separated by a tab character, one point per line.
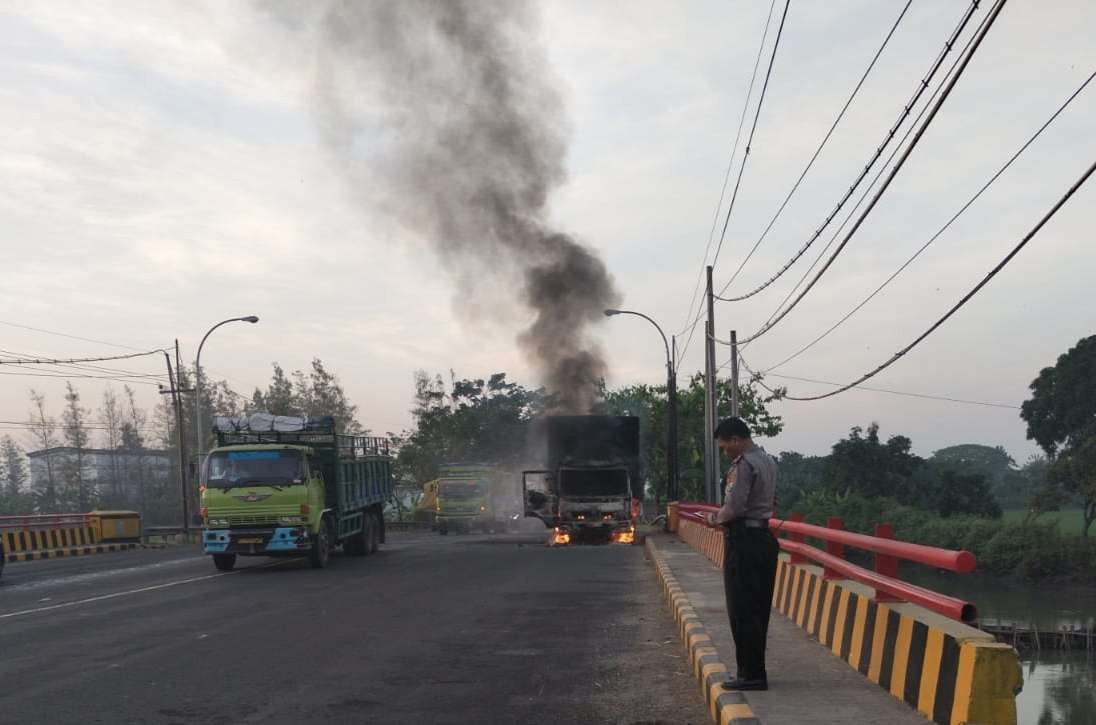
711	519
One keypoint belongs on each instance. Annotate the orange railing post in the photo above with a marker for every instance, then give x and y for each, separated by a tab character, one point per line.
885	564
834	548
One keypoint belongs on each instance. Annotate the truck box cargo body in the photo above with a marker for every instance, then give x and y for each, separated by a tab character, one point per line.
268	493
592	475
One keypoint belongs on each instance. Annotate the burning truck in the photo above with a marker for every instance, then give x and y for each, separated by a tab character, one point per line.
586	491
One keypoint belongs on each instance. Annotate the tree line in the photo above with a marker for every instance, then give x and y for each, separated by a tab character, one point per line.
122	456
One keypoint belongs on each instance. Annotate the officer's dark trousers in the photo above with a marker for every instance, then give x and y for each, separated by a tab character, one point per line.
749	573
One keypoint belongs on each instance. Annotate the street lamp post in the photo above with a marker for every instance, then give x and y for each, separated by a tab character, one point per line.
671	395
198	381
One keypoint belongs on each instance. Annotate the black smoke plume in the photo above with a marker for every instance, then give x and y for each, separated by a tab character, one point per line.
444	109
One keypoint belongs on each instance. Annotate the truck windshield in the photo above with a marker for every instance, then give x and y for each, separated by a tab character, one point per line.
225	469
461	490
593	482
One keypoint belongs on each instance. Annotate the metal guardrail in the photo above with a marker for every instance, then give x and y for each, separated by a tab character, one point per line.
44	520
888	551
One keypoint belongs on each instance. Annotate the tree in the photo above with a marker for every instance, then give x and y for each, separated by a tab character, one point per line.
948	491
43	429
1061	418
649	403
110	417
13	465
319	393
74	429
862	464
1009	486
14	498
483	421
799	475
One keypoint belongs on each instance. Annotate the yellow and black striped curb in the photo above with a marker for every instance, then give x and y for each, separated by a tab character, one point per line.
949	672
67	551
726	708
42	539
706	540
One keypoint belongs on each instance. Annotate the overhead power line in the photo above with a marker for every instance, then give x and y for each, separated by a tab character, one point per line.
955	308
822	145
922	87
84	376
71	337
980	36
753	129
730	165
745	158
52	361
888	391
942	229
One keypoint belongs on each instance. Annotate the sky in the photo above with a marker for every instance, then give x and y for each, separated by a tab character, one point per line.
162	171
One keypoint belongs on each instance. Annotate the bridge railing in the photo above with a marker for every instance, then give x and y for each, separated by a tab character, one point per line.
887	550
43	521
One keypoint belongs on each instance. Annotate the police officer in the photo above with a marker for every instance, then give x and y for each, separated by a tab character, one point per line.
749	568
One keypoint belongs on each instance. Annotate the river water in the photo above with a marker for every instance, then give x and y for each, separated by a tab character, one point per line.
1059	686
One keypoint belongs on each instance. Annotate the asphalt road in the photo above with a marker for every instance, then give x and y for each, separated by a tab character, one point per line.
460	629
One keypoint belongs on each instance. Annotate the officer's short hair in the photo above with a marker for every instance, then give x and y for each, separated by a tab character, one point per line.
732	428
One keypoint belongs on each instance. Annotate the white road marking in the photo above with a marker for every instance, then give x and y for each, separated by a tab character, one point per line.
140	590
100	574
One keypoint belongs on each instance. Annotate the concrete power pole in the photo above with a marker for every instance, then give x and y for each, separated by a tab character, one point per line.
711	412
734	375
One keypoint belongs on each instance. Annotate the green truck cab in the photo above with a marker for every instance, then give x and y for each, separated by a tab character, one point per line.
300	490
462	495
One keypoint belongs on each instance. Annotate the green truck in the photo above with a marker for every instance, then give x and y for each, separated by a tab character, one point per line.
461	495
292	487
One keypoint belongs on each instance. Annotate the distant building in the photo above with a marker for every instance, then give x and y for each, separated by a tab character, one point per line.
120	474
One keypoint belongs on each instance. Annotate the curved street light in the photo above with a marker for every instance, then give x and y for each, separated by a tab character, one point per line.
198	378
671	395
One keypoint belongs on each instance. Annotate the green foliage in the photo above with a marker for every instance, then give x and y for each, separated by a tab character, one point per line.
475	421
649	403
1061	418
862	464
312	395
1006	547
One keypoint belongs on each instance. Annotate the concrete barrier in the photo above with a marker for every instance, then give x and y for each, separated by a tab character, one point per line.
951	673
29	538
947	671
726	708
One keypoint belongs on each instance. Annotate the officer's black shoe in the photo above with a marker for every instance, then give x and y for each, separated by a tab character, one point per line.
740	684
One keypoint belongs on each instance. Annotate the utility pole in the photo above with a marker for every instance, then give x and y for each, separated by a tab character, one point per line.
734	374
711	453
671	396
176	402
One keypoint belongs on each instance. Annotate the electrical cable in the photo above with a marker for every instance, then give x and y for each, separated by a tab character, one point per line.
818	151
753	129
955	308
730	165
942	229
982	32
922	86
757	378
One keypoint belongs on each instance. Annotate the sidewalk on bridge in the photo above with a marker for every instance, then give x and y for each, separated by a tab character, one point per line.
807	684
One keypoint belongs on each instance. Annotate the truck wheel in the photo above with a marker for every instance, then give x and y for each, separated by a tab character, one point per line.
320	553
224	562
356	544
375	533
368	534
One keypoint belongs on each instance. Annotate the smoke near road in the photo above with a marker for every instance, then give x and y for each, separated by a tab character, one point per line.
445	111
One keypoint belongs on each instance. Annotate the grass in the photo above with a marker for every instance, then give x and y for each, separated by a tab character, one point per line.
1069	521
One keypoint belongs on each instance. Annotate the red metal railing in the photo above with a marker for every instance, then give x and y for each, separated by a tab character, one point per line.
43	521
888	551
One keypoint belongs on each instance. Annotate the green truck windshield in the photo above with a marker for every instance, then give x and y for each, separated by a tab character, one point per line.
240	468
461	490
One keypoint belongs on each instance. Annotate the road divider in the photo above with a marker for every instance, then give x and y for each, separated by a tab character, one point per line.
53	536
725	708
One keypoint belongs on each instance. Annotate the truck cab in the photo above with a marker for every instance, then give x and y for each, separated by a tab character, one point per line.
260	499
586	493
